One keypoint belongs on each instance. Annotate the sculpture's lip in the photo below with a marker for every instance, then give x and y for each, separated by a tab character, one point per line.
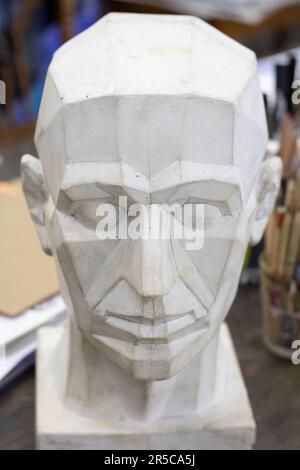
152	321
157	330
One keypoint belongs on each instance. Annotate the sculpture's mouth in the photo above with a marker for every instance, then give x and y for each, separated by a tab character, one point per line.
155	330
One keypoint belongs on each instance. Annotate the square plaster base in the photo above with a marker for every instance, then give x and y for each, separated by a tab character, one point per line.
228	424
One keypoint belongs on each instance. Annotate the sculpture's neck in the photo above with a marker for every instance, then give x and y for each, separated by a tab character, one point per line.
104	386
186	393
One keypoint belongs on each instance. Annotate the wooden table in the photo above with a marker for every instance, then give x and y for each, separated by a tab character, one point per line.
273	385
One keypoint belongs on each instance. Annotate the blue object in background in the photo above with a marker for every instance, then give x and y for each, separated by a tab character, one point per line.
42	40
7	9
18	113
50	40
89	11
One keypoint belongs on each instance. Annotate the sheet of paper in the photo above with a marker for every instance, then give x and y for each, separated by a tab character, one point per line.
11	361
266	71
20	341
12	328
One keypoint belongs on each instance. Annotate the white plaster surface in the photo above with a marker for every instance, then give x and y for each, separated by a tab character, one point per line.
226	424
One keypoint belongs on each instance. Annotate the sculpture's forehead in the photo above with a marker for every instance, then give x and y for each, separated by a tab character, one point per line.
148	91
149	133
151	54
145	132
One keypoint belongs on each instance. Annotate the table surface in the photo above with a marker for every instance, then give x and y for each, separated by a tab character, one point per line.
273	385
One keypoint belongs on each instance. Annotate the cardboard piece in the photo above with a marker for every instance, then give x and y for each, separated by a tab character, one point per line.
27	275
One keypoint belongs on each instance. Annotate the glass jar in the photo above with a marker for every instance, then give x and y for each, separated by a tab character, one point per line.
281	311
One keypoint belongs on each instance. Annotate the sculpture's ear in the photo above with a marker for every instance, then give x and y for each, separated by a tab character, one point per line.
36	196
266	193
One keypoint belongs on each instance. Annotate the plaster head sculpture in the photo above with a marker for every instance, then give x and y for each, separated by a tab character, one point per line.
160	109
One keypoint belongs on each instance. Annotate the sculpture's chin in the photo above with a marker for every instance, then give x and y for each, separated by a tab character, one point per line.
152	360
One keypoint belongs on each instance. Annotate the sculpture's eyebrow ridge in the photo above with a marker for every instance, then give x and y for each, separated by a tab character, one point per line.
178	181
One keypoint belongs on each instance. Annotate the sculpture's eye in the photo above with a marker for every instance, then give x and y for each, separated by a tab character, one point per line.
199	216
90	213
212	215
86	214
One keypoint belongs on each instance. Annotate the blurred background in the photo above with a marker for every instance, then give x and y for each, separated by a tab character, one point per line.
263	330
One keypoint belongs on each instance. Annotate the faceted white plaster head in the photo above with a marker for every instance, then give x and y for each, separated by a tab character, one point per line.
161	109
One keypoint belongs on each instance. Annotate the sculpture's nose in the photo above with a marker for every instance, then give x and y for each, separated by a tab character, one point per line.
151	269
